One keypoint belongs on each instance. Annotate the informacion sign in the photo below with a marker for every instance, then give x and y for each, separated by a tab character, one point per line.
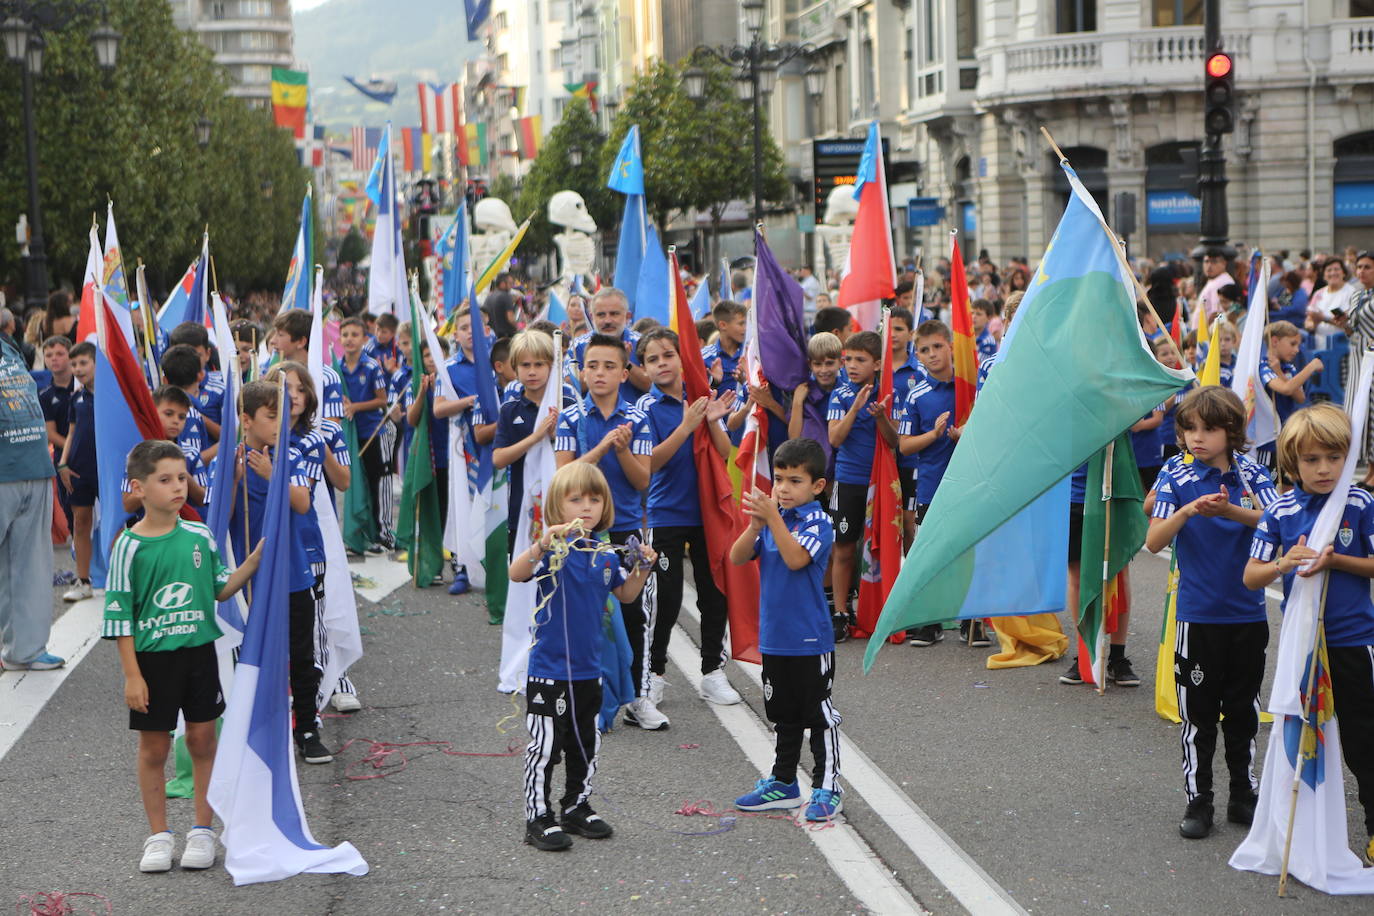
835	163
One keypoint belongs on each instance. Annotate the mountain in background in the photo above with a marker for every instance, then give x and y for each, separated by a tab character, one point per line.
371	38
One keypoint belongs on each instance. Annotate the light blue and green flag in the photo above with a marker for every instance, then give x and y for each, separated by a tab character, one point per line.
1074	372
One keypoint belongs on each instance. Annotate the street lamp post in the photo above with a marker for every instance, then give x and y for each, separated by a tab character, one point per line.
756	76
24	45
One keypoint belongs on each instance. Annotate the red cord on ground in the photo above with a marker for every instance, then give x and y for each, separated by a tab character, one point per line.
387	758
58	903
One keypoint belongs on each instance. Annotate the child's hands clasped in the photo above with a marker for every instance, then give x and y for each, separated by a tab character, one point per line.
1300	553
1212	505
760	507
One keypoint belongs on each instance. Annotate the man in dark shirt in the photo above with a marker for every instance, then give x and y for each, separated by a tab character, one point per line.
500	307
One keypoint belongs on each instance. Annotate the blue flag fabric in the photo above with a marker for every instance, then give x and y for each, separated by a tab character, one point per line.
452	250
651	291
629	253
700	303
476	13
254	788
868	162
219	496
627	173
383	91
558	312
379	168
297	292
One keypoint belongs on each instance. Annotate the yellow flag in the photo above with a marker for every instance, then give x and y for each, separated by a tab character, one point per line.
1211	370
1166	696
499	263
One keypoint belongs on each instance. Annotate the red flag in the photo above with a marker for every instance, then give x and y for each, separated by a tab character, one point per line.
965	349
882	521
871	267
1174	330
95	270
719	516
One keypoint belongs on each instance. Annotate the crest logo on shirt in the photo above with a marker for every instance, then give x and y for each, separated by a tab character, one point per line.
844	525
172	596
1196	675
663	563
561	706
768	690
1346	535
195	556
606	575
1246	502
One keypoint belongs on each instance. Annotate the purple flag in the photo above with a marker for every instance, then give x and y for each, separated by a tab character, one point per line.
782	322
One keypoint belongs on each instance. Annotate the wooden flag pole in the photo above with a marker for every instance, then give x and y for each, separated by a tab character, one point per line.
1306	726
385	413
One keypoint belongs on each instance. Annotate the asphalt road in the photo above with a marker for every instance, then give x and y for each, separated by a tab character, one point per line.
1066	799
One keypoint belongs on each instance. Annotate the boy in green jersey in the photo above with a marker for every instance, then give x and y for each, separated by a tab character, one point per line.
164	581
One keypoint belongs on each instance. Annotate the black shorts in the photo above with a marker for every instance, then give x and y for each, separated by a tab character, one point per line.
920	509
795	687
908	478
848	503
181	680
84	488
1075	531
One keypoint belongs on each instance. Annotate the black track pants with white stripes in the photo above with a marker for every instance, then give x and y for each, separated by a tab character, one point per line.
663	595
1352	687
1218	668
796	697
561	718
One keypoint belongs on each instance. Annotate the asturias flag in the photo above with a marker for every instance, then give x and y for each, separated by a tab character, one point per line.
1077	324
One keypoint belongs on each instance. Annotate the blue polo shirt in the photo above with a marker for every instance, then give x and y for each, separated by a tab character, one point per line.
310	446
380	351
581	428
728	364
794	617
984	368
578	351
673	493
331	399
930	398
299	576
1212	552
361	383
193	433
81	422
210	400
1146	444
567	630
56	403
1283	404
905	378
986	344
514	390
516	420
1349	616
853	456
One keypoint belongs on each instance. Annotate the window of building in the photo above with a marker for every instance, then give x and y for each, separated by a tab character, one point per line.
840	94
257	41
499	23
932	48
538	61
965	28
503	63
216	9
1075	16
1361	8
251	74
534	8
909	67
1180	12
255	8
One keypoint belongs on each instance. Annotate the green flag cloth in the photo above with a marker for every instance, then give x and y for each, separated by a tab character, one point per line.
1074	372
359	525
418	529
1110	540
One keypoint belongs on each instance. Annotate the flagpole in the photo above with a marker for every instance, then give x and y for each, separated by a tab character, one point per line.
1306	725
1108	460
247	543
389	408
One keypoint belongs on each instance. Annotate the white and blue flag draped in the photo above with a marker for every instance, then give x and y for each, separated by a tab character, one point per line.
454	253
296	295
383	294
554	309
253	788
219	497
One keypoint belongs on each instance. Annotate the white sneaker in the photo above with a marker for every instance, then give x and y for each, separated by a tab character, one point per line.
157	853
656	687
78	592
345	702
716	689
200	849
645	714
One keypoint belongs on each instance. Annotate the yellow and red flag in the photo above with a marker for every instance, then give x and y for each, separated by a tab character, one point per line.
965	349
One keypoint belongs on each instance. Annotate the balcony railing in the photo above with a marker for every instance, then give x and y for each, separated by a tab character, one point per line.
1056	56
1352	48
1182	47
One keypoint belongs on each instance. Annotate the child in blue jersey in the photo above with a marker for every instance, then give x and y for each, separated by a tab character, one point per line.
253	471
610	432
927	431
1207	503
855	420
77	467
365	397
563	690
182	368
173	405
790	534
674	515
1280	373
208	398
982	312
519	425
1312	450
906	373
290	337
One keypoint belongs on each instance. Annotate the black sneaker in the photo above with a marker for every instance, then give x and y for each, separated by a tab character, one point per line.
840	624
1240	808
1120	672
1071	676
925	636
1197	820
376	550
312	748
544	833
583	821
978	635
963	630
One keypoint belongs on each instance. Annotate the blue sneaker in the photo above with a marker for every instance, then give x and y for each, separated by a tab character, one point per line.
824	805
770	793
460	581
45	662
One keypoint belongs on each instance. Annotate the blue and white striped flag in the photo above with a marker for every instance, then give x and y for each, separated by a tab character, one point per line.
253	788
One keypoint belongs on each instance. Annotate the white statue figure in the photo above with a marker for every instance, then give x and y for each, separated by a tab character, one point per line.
494	227
576	247
837	228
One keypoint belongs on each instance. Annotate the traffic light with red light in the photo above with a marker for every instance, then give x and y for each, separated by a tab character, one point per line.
1219	94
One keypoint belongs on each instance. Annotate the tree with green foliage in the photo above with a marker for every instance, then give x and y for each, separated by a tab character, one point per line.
354	247
131	134
553	171
697	155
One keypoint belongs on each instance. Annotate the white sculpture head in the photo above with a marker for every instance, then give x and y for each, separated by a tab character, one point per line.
841	208
568	209
492	215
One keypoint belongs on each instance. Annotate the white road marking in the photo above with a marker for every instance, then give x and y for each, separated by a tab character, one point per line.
23	694
973	887
867	878
387	573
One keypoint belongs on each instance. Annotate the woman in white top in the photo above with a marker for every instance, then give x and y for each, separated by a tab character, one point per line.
1330	306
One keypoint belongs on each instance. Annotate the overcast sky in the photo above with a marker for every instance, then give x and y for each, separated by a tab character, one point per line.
298	5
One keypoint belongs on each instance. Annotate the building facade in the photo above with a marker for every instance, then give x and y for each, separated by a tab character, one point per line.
248	38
